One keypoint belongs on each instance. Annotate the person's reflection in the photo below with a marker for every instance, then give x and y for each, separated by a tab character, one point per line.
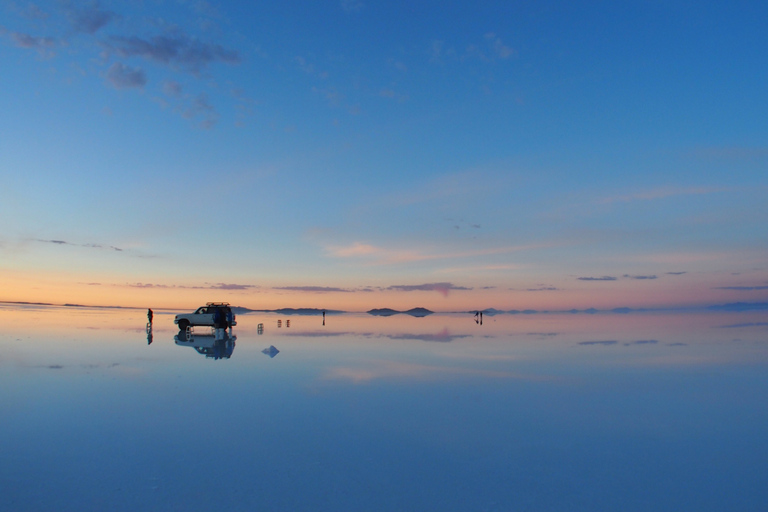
149	326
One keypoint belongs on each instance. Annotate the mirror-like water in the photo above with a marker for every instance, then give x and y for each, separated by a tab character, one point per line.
526	412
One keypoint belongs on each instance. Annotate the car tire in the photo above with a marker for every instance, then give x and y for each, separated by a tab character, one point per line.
183	324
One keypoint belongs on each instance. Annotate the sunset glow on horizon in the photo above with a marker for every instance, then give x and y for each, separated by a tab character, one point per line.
354	155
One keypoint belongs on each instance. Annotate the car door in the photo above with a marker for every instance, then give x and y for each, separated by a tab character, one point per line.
203	317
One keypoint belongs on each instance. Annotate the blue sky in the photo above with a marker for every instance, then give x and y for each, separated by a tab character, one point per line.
363	154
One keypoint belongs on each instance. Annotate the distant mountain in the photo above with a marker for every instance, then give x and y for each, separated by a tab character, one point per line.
417	312
383	312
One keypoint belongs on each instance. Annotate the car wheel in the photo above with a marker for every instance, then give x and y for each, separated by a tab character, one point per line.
183	324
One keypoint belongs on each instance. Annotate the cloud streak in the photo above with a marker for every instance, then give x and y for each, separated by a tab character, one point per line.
311	289
91	246
43	45
89	19
741	288
383	256
442	288
662	193
216	286
179	50
603	278
125	77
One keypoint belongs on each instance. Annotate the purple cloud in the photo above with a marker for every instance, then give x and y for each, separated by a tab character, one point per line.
181	50
639	277
172	88
442	288
40	44
93	246
225	286
90	18
443	336
604	278
123	77
217	286
32	12
316	289
741	288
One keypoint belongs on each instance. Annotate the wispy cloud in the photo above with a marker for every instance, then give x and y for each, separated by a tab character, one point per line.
603	278
662	193
640	277
676	273
180	50
542	289
207	286
380	255
489	49
89	19
123	77
498	48
731	153
30	11
313	289
178	47
741	288
442	288
172	88
606	342
352	5
43	45
641	342
91	246
747	324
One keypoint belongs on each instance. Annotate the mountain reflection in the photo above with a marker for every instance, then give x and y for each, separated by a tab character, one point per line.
218	345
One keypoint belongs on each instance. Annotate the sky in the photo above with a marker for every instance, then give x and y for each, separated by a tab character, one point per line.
351	154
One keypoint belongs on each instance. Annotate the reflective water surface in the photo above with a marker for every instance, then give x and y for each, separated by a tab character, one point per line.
525	412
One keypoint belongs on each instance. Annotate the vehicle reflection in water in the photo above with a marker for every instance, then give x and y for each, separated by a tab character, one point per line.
216	344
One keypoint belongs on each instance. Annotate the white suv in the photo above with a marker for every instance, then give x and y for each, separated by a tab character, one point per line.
214	314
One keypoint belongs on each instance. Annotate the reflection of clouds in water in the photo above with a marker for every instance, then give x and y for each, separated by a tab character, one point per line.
86	366
310	334
615	342
378	370
443	336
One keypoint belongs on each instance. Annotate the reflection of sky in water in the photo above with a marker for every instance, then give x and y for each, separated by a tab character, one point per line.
543	412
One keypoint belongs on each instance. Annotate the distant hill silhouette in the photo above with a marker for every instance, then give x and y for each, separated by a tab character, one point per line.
419	312
383	312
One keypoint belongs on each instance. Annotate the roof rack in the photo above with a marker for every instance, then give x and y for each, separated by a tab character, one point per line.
217	303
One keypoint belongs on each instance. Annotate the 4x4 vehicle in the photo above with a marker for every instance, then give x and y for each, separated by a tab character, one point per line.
214	314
